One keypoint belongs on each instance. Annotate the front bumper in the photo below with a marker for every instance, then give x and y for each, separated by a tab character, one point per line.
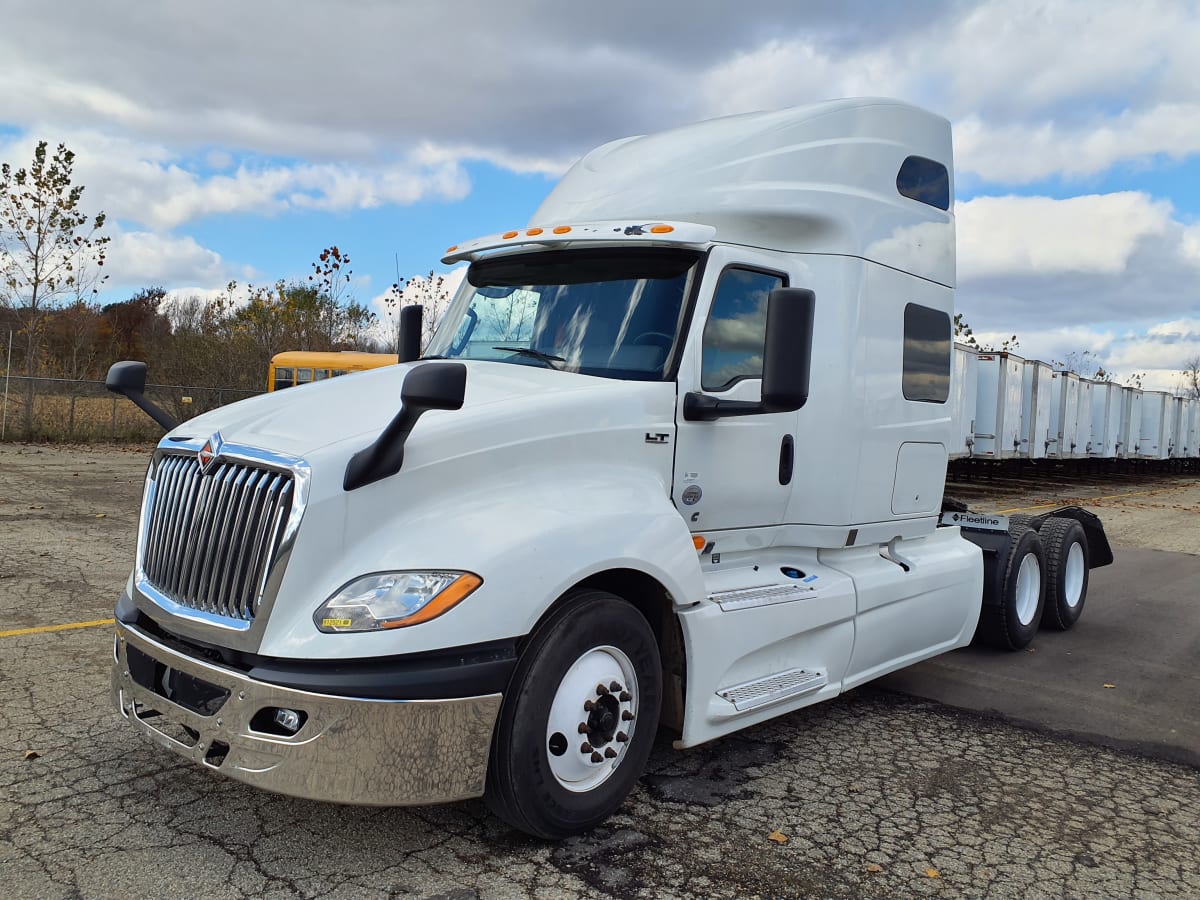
348	750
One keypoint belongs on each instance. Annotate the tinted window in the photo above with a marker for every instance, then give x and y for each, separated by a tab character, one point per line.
926	354
284	377
736	331
924	180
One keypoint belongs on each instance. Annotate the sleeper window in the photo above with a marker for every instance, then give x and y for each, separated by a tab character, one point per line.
926	354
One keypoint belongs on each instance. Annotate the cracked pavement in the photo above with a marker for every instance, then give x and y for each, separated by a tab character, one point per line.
872	794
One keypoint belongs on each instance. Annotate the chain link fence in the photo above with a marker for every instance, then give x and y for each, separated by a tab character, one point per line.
61	409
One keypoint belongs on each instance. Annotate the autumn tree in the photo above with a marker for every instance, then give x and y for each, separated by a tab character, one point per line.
1191	378
964	335
50	249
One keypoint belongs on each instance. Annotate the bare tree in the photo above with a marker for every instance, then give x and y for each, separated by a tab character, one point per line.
50	250
1191	378
427	290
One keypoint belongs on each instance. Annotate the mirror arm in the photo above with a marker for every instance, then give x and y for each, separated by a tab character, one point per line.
699	407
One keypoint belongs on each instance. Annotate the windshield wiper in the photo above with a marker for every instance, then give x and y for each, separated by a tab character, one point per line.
548	358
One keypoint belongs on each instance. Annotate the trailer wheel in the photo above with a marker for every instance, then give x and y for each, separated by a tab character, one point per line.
1021	520
1067	565
578	720
1012	624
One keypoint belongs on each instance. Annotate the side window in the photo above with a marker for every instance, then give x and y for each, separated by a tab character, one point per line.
927	354
736	331
284	377
925	181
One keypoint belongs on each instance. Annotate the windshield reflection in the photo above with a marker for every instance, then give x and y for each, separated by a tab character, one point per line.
611	313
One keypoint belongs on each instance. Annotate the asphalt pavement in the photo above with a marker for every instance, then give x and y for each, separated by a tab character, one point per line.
1127	676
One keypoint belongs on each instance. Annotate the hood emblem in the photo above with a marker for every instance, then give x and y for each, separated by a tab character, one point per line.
209	452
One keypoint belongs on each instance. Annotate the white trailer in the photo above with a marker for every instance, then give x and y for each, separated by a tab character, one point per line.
1179	428
963	392
1064	416
1192	406
1108	403
1083	420
998	405
676	458
1155	432
1036	383
1131	423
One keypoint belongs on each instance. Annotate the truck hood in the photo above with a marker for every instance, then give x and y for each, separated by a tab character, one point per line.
302	420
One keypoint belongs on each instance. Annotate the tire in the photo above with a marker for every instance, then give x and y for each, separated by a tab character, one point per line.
1012	624
557	767
1021	520
1067	564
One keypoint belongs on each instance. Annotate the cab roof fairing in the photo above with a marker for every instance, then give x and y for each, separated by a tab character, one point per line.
586	234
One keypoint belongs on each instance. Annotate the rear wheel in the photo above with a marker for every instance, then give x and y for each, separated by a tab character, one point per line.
1012	624
579	718
1067	565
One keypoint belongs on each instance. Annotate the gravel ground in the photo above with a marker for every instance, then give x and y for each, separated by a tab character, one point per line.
872	794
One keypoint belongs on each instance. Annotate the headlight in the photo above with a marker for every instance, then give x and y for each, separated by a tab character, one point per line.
393	600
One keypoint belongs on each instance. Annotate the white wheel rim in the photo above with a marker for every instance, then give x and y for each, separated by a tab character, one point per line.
592	719
1029	588
1073	582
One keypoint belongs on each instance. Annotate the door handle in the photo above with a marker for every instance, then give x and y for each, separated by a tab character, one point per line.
787	459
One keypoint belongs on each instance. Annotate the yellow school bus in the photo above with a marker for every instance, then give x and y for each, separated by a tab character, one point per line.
294	367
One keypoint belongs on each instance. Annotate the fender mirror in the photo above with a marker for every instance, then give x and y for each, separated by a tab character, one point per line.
128	378
431	386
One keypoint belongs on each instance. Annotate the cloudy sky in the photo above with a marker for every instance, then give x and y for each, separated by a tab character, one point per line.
234	140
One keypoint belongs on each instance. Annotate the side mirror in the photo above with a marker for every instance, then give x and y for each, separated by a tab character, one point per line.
431	386
410	333
128	378
787	362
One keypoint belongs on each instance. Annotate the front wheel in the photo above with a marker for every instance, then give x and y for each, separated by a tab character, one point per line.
579	718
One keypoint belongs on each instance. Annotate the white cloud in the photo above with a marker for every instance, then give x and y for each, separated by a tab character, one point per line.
1097	233
144	258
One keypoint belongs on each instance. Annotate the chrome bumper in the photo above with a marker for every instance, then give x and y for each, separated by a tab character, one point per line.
368	752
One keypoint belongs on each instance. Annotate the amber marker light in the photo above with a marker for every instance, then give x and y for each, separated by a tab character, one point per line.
698	541
533	232
452	249
451	596
662	229
562	229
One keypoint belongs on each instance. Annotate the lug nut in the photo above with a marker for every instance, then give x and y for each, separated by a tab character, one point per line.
626	696
622	737
596	757
610	752
589	705
601	690
585	747
583	729
615	686
626	716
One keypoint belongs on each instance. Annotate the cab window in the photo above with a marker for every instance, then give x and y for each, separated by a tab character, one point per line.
736	331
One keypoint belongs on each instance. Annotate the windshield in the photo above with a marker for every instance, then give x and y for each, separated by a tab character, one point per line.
613	313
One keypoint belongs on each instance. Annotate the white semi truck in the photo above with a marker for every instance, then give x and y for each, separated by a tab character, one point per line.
675	457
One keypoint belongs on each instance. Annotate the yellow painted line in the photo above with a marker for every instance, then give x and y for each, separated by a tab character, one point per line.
1085	500
45	629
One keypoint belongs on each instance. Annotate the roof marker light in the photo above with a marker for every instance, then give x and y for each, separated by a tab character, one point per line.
452	248
509	234
662	229
562	229
533	232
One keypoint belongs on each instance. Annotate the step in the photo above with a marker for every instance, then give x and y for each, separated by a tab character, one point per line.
772	688
763	595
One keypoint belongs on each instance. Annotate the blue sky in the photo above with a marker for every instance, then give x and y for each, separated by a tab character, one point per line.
236	140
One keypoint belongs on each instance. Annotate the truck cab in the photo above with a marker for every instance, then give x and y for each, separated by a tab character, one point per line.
674	457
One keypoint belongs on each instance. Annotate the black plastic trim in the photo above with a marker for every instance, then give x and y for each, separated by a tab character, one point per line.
468	671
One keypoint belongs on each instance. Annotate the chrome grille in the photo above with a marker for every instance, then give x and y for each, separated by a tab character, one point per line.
210	538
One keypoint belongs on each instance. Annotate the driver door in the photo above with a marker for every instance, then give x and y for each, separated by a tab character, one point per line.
728	472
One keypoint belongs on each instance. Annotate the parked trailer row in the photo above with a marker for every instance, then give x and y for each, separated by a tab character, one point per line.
1010	408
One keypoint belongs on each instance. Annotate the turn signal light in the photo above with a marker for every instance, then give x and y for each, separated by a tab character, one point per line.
698	541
